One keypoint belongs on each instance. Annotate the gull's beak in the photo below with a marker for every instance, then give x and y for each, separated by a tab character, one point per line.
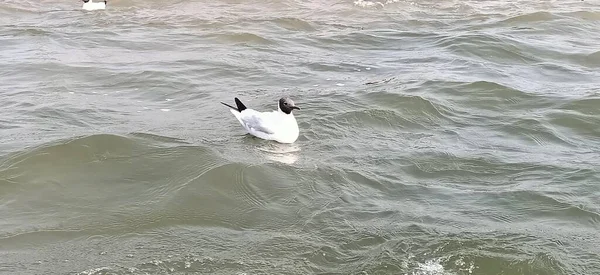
294	107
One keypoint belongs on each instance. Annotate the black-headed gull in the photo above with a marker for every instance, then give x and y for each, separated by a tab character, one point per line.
279	125
91	5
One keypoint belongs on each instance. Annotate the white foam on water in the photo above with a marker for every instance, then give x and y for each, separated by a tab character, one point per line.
431	267
368	4
165	110
93	271
469	269
156	262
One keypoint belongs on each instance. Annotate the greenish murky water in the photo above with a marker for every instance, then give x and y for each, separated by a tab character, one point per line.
437	137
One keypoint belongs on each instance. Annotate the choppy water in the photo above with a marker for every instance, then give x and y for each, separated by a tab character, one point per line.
437	137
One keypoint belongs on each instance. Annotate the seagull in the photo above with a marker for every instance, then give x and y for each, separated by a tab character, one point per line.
279	125
90	5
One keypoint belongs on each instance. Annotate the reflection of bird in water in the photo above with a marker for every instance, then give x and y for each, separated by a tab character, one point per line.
284	153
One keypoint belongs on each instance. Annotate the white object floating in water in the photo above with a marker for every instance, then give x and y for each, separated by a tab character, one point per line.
72	93
280	125
168	99
165	110
339	84
90	5
367	68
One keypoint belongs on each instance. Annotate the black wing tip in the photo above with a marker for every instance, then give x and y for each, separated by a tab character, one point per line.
240	105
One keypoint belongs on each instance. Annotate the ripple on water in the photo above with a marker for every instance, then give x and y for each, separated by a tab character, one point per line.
585	15
586	106
487	46
533	130
576	127
531	17
244	38
489	95
54	176
294	24
384	110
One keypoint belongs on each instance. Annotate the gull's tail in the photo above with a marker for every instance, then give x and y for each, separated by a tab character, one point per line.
240	105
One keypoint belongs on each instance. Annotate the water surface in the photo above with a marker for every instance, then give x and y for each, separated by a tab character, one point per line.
453	137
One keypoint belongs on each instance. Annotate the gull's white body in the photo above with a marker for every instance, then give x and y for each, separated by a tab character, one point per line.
275	125
90	5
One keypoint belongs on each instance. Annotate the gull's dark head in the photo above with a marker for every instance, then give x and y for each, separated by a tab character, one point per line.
286	105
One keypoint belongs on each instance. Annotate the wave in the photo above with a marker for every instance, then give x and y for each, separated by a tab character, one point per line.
535	131
550	205
531	17
492	96
500	49
27	31
243	38
395	110
134	181
416	253
194	210
9	9
593	59
66	154
576	125
122	172
587	106
294	24
354	39
585	15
